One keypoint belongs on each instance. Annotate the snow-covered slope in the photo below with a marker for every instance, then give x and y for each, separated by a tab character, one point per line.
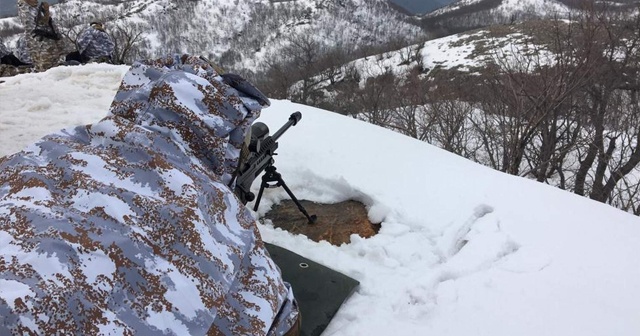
507	7
470	14
418	7
463	249
466	52
241	33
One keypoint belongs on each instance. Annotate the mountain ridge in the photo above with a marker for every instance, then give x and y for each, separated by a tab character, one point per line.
417	7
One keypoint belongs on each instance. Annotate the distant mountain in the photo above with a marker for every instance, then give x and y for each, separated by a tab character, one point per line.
463	15
421	7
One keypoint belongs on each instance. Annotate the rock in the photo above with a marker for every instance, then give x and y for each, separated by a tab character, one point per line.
335	223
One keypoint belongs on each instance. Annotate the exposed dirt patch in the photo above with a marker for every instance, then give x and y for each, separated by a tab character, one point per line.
335	222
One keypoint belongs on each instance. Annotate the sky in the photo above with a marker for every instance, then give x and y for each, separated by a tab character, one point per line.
462	249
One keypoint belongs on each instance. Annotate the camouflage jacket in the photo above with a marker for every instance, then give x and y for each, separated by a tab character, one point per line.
123	227
42	41
27	14
22	52
36	19
95	44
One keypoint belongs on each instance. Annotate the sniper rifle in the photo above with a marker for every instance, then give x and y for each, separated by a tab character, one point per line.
262	147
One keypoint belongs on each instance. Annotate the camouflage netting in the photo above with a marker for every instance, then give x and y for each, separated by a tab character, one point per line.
124	226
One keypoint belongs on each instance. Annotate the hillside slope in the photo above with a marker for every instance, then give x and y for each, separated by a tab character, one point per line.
241	34
463	249
463	15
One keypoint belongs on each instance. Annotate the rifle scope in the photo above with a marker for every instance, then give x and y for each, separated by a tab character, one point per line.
260	131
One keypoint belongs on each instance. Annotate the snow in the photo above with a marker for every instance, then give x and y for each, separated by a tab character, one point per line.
540	7
462	250
465	52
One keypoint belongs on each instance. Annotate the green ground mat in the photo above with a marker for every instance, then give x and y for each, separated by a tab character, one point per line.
319	290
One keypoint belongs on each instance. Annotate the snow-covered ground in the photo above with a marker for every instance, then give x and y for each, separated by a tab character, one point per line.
540	7
465	52
463	249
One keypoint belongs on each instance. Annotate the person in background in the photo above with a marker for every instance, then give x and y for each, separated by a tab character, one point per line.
43	42
94	45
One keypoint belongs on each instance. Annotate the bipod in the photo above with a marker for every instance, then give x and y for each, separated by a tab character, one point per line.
270	176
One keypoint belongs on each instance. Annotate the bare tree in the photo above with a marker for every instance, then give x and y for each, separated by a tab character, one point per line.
609	98
376	99
128	39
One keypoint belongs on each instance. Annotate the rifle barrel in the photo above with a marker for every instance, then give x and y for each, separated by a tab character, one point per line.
293	120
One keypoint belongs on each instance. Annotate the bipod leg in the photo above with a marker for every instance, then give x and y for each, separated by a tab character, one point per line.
312	219
262	186
271	175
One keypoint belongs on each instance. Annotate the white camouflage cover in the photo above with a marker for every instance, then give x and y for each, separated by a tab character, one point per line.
123	227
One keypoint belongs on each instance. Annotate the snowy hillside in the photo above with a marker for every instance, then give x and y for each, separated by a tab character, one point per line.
463	249
508	7
464	15
469	14
417	7
466	52
241	34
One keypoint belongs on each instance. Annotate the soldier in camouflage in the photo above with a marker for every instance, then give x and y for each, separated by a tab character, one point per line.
43	42
21	50
94	44
126	226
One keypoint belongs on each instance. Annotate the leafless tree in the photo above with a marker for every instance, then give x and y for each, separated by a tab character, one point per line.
610	154
128	39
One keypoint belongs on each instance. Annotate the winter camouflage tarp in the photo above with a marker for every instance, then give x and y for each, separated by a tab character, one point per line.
123	227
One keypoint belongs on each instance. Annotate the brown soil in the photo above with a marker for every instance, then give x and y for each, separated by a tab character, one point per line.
335	222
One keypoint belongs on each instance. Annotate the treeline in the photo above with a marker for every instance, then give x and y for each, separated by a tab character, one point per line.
563	112
464	18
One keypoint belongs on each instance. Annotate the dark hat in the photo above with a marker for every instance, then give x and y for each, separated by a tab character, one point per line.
96	25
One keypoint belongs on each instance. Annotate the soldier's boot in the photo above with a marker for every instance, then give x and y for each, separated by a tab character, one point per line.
8	70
